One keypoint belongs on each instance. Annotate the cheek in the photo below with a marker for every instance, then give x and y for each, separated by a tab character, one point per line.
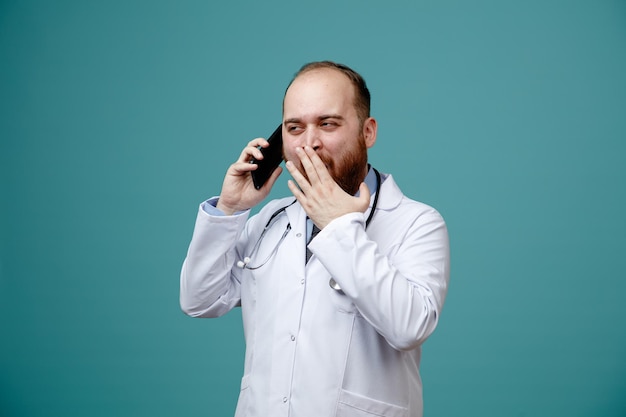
288	153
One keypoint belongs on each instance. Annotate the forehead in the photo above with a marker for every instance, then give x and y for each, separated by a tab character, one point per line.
319	91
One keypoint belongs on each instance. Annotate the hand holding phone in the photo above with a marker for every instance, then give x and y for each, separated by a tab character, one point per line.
272	157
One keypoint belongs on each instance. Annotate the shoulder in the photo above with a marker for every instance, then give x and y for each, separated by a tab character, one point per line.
396	203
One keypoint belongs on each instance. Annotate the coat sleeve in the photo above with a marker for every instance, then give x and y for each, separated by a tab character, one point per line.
400	292
209	285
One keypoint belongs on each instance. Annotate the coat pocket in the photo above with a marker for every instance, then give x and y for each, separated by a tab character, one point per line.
355	405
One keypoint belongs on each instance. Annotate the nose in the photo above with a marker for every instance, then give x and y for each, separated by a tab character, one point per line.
312	138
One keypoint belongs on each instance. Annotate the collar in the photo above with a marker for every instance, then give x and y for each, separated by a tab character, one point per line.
370	181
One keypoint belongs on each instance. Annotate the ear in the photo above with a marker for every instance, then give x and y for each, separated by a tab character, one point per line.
369	131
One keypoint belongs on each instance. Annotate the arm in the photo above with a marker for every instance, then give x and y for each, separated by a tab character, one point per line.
207	287
400	293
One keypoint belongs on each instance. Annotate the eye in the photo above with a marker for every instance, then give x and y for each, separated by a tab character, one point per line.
293	129
329	124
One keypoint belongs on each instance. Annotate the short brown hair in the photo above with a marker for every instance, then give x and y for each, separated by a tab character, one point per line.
362	96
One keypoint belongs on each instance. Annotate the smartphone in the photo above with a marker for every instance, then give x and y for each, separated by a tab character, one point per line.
272	157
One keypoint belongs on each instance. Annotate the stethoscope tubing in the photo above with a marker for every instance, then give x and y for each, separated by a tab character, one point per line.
245	262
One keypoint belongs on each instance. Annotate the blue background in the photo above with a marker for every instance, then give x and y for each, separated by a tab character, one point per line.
117	118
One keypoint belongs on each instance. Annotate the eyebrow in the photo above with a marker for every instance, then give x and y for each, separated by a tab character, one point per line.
319	119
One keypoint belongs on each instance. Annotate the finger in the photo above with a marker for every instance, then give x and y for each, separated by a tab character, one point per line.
297	192
307	164
364	197
258	142
364	193
241	167
318	165
253	150
297	176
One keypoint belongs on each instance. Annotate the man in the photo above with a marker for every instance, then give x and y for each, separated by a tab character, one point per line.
339	334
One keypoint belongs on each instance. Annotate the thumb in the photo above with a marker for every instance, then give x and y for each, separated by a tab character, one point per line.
364	196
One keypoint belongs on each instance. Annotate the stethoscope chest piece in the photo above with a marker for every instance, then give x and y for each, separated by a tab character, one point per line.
333	284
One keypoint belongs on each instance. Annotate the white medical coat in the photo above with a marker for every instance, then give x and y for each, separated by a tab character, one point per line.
312	350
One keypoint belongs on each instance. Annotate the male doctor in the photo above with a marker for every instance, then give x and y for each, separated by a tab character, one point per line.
338	334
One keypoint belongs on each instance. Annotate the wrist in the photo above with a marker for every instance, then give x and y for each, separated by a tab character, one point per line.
226	209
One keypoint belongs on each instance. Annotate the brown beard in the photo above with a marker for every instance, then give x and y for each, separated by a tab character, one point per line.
349	172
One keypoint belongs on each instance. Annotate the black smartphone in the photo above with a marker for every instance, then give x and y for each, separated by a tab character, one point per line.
272	157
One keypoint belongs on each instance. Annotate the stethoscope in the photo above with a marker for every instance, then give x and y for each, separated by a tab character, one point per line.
245	263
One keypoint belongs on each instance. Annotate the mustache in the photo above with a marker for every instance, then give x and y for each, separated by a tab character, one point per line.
347	172
326	160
